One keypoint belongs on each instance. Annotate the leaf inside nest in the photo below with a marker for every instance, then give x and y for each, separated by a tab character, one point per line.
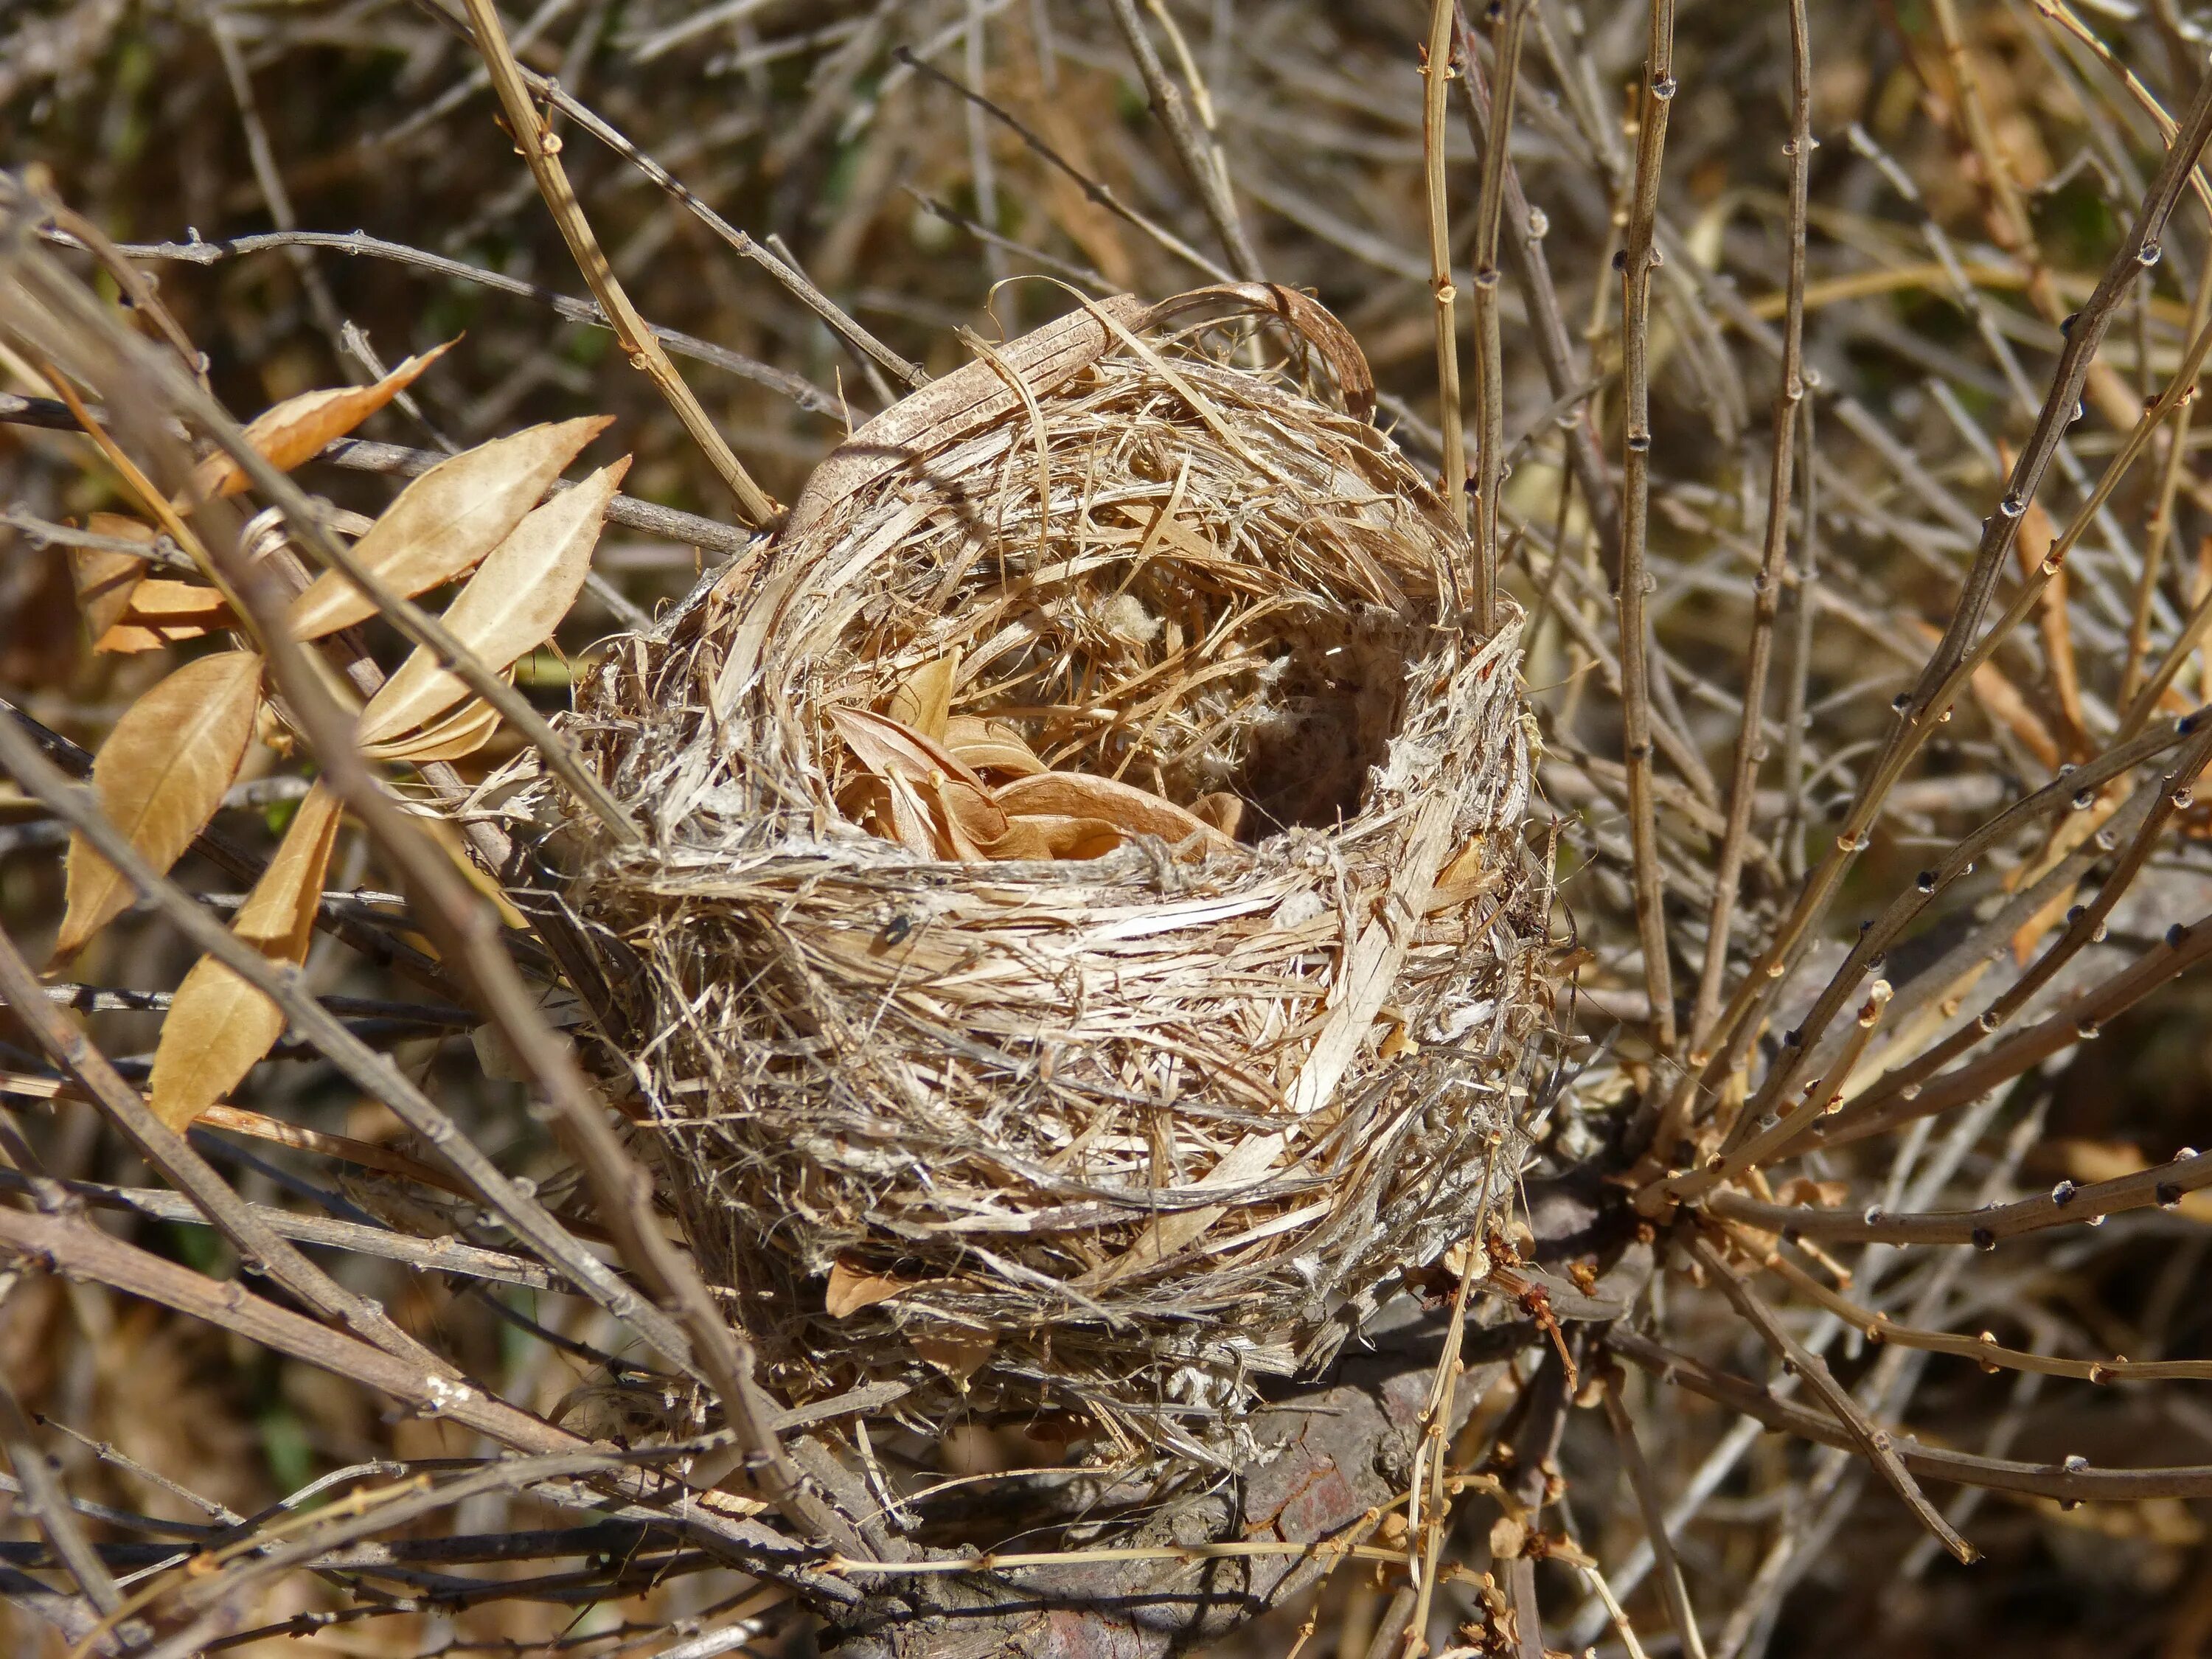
927	796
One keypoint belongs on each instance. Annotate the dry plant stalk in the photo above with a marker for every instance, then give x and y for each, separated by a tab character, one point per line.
1111	1135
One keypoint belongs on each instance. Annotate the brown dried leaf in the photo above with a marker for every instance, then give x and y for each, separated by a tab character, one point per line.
888	747
924	700
462	733
990	746
958	1353
1053	835
159	778
509	608
852	1288
939	806
159	603
300	427
1134	810
446	521
909	819
103	579
1224	808
219	1027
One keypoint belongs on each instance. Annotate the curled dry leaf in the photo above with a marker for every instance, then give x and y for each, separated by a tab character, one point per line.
1055	836
990	746
298	427
885	745
446	521
1129	809
163	612
853	1288
924	701
931	797
103	578
509	608
958	1353
463	732
219	1027
936	804
159	778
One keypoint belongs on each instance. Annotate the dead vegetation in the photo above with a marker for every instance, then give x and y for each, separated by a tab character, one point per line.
506	1069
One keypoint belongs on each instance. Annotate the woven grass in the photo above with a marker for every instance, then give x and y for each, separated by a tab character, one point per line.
1108	1137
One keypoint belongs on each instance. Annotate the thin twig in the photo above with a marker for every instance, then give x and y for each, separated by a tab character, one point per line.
258	1244
1507	26
1101	194
1436	75
46	1504
2162	1185
1766	587
375	1075
2067	1483
1200	157
540	149
1929	698
1872	1443
1639	255
1672	1591
445	1255
361	245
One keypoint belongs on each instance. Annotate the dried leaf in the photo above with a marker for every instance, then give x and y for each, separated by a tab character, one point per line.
1224	808
852	1288
159	778
462	733
446	521
300	427
887	746
1054	835
219	1027
103	579
1465	877
1134	810
958	1353
158	603
939	806
911	825
924	700
990	746
509	608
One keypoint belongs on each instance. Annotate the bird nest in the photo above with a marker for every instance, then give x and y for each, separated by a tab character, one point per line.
1084	944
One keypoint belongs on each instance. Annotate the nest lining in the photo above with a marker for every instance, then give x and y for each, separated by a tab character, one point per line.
1115	1135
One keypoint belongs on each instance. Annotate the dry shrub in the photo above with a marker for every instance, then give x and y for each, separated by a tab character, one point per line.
1108	1134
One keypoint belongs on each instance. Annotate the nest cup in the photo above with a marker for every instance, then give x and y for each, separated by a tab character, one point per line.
1099	1118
